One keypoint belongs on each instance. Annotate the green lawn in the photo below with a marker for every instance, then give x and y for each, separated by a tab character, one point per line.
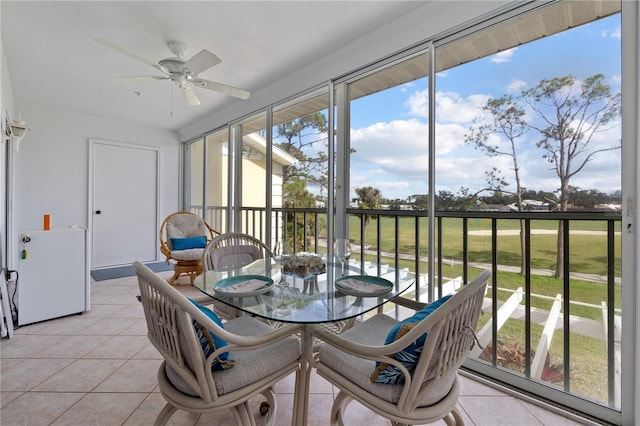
588	253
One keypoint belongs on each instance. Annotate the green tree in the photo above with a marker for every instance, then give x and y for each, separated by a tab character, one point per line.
300	136
570	114
368	198
445	200
419	201
297	196
503	118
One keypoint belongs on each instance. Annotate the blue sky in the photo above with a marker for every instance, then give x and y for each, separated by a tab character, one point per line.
389	129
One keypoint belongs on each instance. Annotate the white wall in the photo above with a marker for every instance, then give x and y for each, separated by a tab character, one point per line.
51	168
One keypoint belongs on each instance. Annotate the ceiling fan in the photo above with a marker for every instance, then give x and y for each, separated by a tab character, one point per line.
184	73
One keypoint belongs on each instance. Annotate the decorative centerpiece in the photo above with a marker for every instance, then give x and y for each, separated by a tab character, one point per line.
303	264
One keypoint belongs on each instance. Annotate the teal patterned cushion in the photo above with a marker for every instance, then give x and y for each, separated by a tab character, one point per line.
188	243
386	373
210	342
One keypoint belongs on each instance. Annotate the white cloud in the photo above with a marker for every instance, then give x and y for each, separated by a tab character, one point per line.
451	107
407	86
516	86
418	104
504	56
449	137
391	147
615	33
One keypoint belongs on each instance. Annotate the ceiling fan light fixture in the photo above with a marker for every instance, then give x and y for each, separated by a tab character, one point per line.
16	130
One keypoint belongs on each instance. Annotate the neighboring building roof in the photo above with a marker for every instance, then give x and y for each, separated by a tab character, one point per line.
256	144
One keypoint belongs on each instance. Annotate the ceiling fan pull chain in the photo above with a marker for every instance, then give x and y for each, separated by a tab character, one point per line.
171	103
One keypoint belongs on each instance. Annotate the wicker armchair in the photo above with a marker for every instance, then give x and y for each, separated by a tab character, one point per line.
422	385
183	237
251	358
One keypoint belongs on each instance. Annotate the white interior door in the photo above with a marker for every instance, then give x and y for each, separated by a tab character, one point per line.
123	203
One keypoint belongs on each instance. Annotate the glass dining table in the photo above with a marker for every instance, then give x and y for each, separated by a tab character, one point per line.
338	294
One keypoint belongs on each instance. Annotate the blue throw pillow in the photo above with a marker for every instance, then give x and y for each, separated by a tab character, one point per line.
210	342
386	373
188	243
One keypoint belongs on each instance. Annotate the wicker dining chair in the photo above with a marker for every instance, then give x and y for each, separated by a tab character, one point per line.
183	237
232	250
244	357
383	364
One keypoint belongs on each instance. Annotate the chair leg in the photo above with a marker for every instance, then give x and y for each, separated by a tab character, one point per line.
174	278
190	269
338	408
245	414
165	415
457	418
272	414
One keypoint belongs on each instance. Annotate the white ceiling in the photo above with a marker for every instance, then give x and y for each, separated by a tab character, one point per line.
53	59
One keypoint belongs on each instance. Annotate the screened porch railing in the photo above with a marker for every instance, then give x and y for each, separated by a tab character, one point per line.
528	302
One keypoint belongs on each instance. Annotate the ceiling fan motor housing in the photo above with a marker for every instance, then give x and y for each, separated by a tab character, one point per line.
173	65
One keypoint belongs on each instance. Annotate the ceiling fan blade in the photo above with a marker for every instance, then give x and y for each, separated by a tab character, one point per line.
140	77
221	88
201	62
113	46
190	96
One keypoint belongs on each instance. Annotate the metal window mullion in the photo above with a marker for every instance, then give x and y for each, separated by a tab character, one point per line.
378	242
233	184
431	177
494	287
362	237
566	305
269	171
204	179
396	246
611	295
527	295
341	163
439	258
416	226
378	256
465	250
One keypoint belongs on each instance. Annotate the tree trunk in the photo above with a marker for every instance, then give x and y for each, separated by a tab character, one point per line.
564	204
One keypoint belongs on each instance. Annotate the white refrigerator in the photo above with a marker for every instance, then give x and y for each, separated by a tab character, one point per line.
53	278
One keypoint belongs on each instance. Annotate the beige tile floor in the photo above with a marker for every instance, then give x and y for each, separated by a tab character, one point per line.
98	368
